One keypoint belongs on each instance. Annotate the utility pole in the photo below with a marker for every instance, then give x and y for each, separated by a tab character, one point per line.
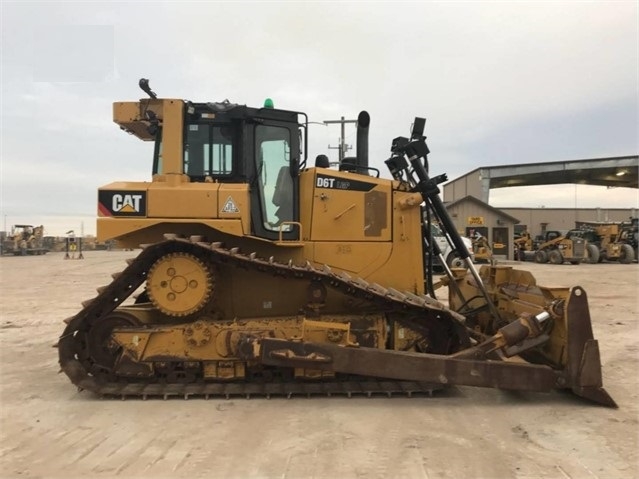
343	147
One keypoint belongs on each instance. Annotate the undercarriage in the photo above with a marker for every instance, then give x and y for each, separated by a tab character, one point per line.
188	335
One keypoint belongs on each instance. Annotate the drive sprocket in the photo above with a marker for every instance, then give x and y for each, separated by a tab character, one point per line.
179	284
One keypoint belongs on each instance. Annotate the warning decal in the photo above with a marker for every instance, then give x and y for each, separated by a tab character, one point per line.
230	206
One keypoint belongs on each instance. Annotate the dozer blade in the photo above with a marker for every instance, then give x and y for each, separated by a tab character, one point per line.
584	362
581	373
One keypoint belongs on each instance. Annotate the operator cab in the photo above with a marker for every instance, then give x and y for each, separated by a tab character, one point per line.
261	147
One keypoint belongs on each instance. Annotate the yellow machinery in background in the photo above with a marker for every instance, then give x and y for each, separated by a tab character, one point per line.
25	240
483	251
523	243
607	241
559	248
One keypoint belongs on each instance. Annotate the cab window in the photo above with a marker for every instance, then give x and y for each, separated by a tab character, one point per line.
208	151
275	184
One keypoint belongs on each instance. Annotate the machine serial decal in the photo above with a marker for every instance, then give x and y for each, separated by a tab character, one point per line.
330	182
230	206
122	203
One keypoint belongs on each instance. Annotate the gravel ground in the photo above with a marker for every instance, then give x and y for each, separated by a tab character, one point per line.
48	429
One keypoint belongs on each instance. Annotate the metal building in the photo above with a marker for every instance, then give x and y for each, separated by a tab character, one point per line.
467	197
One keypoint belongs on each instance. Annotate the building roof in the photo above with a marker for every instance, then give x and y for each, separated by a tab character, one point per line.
620	171
479	202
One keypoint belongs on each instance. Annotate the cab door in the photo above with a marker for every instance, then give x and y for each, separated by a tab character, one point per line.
275	186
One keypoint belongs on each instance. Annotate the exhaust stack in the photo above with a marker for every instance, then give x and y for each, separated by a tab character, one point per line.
363	121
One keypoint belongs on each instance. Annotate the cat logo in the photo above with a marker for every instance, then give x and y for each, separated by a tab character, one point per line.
126	203
230	206
121	203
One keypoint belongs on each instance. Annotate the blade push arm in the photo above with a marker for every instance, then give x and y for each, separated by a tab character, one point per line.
475	366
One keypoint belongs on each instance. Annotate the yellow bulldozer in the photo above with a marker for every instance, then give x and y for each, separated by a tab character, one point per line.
261	274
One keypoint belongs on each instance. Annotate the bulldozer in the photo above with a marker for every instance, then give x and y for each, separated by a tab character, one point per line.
25	240
559	248
262	275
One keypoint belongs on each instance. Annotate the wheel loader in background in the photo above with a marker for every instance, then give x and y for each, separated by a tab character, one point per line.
263	275
25	240
606	241
559	248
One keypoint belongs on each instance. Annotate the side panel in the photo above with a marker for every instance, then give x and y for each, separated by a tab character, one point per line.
136	212
358	258
350	207
405	269
234	203
356	225
190	200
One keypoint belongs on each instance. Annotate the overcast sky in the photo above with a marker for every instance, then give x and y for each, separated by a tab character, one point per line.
499	83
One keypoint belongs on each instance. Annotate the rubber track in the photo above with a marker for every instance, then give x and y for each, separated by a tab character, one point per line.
126	282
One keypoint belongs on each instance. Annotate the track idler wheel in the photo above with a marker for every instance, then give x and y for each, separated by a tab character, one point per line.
179	284
100	347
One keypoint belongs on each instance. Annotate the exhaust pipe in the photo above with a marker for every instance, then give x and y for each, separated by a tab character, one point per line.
363	121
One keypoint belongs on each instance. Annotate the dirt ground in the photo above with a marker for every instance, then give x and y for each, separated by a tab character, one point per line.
50	430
